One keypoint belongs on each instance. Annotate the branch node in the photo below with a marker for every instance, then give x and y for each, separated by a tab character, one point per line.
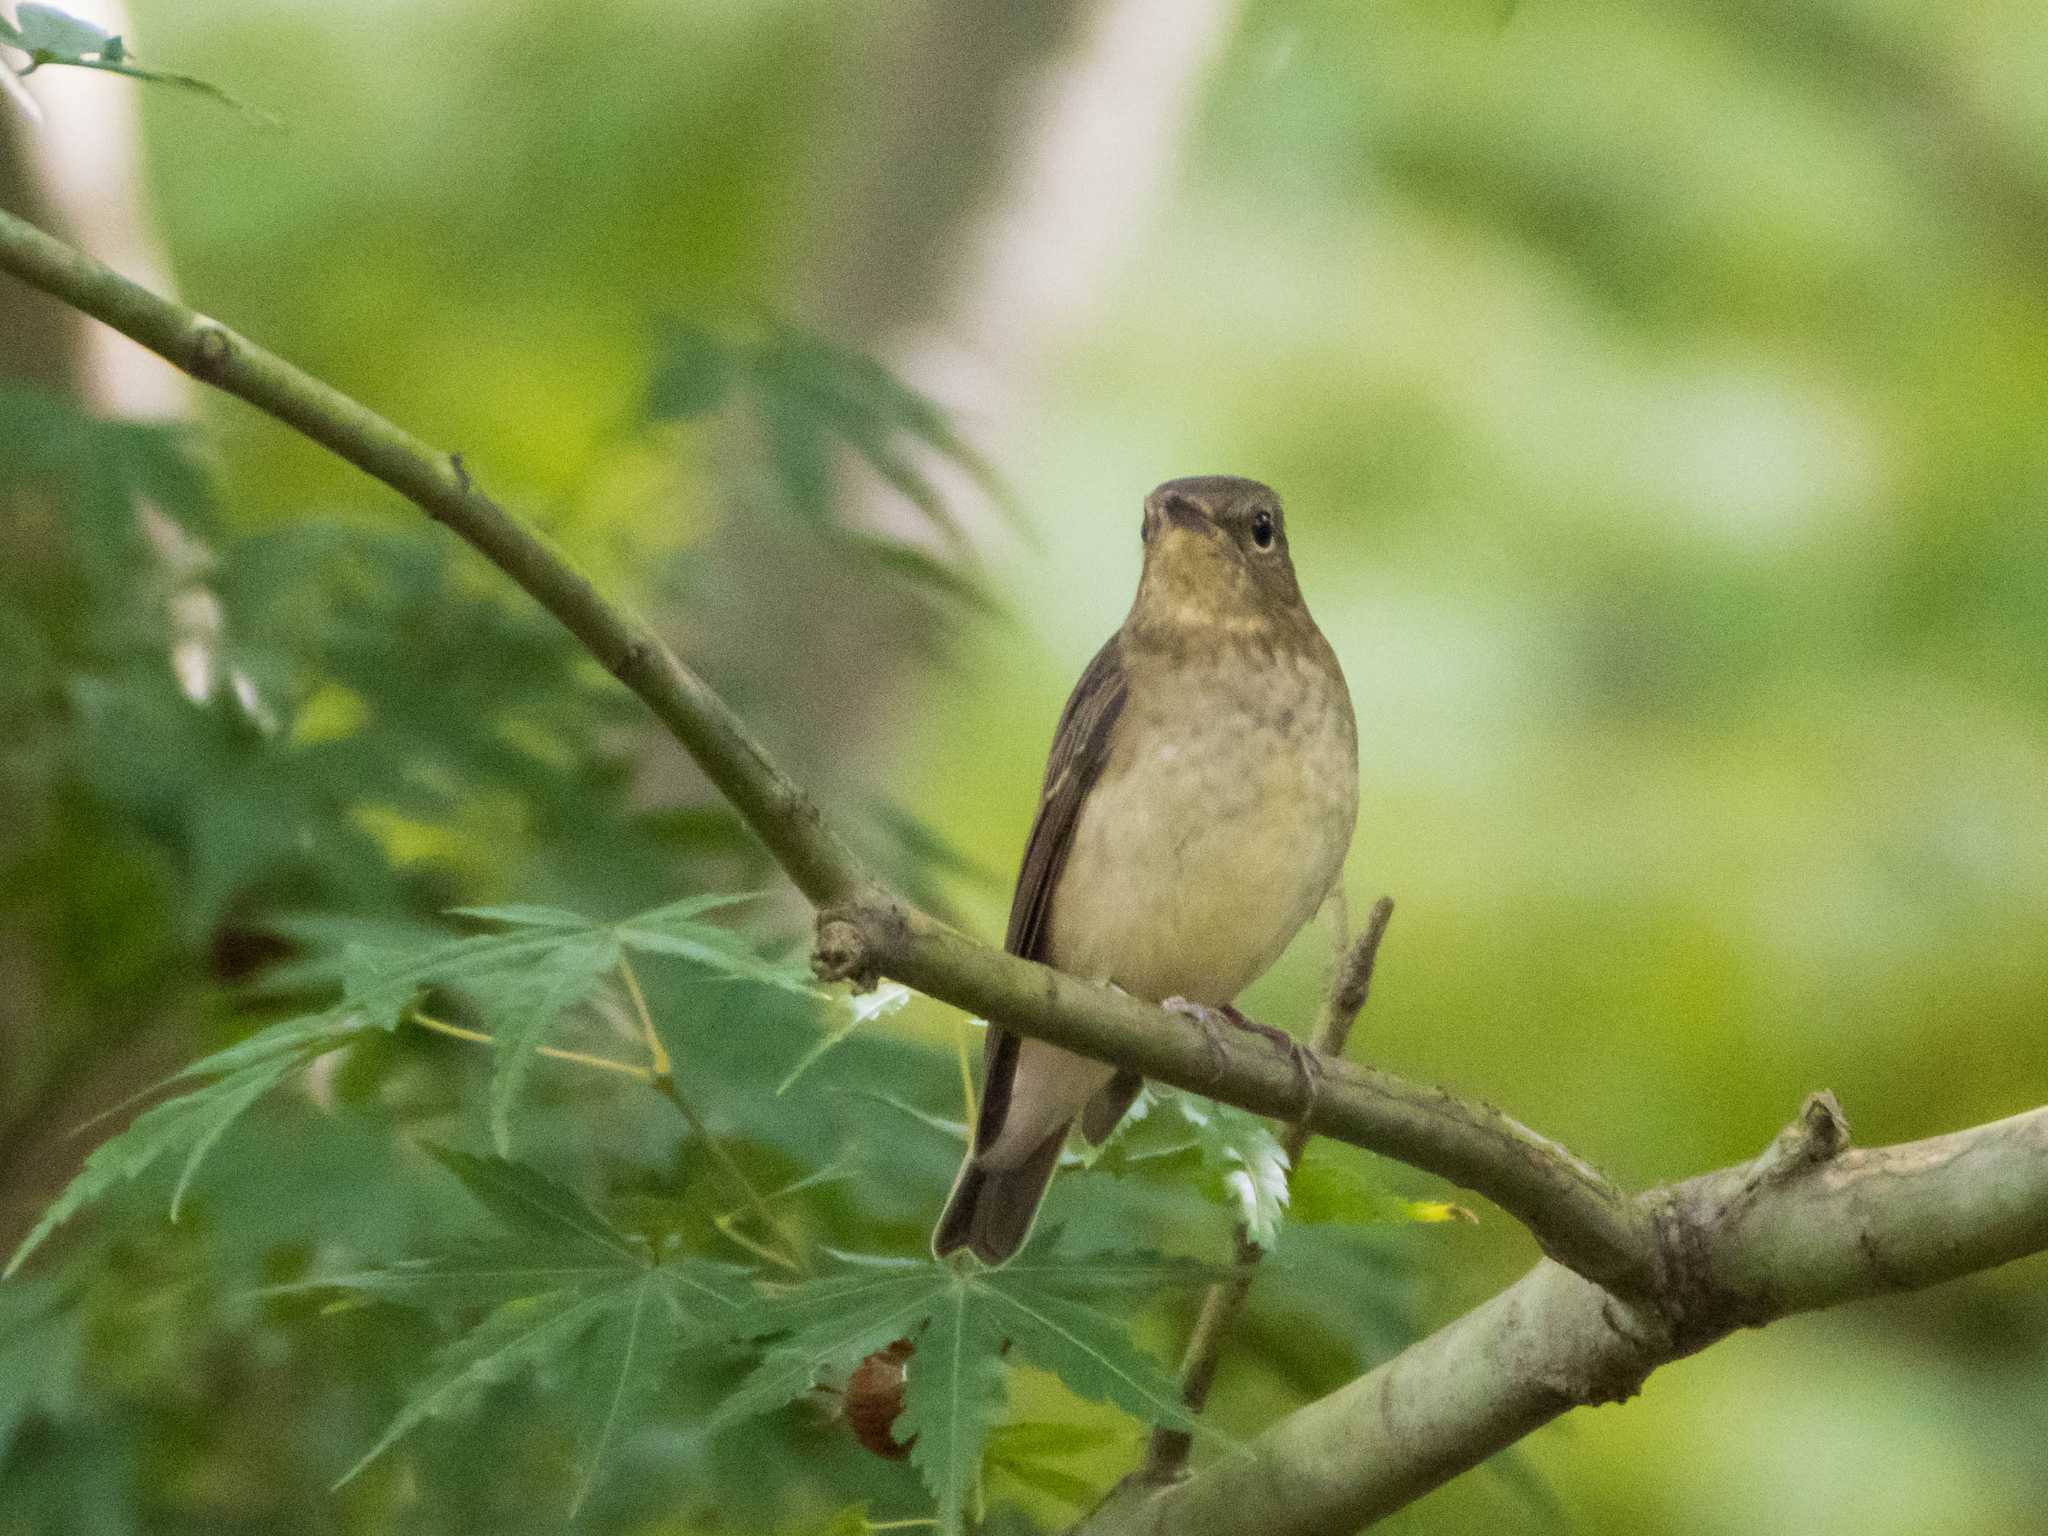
1816	1135
461	472
853	940
632	660
212	348
841	954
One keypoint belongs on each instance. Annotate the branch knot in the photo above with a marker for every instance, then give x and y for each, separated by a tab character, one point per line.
854	937
212	347
1816	1135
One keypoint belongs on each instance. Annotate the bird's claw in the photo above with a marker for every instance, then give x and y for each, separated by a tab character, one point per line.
1308	1066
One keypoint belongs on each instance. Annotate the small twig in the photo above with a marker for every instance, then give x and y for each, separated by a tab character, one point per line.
661	1073
1350	985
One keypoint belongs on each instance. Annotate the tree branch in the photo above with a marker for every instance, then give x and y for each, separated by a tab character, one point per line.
1805	1225
1648	1279
1576	1215
865	930
781	815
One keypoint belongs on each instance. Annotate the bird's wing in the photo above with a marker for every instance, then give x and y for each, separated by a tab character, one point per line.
1080	746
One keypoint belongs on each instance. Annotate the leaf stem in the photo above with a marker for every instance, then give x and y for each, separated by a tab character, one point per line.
661	1073
657	1053
580	1058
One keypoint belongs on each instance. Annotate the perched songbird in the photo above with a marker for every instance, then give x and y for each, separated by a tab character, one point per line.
1197	807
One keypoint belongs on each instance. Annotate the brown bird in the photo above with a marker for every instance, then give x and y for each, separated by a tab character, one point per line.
1197	807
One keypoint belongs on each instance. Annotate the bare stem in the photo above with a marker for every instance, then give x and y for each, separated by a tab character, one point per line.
1350	985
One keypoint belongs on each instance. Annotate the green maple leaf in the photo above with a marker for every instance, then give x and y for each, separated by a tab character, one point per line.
952	1398
585	1307
524	980
961	1322
674	930
192	1124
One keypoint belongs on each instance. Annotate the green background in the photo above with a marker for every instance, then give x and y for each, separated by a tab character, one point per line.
1659	393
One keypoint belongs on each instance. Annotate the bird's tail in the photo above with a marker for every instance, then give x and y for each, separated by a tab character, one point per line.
991	1209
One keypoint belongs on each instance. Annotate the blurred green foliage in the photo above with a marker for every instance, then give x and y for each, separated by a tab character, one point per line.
1657	392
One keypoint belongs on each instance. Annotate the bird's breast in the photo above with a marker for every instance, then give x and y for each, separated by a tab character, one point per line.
1217	827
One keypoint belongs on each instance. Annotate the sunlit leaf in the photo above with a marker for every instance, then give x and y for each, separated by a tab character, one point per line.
1236	1156
46	29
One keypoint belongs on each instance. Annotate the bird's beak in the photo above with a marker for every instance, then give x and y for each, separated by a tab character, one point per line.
1179	512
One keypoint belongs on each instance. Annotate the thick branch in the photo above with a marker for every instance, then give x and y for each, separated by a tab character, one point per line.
1577	1216
1741	1247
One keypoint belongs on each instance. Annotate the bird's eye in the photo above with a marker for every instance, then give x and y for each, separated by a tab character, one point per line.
1262	530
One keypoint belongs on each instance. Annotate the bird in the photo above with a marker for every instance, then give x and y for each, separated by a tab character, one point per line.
1197	808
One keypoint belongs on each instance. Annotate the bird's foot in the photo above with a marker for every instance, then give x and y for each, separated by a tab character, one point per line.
1308	1066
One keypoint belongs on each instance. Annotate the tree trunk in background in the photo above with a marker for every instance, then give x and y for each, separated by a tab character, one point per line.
41	341
994	164
78	173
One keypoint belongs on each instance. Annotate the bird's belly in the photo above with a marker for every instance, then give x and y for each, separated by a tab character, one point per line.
1191	871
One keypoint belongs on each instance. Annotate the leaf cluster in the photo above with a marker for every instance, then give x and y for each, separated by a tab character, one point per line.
345	739
814	401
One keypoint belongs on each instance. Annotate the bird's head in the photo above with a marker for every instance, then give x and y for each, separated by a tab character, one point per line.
1216	554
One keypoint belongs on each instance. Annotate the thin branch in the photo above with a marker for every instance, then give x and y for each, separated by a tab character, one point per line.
780	814
1350	985
1575	1214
